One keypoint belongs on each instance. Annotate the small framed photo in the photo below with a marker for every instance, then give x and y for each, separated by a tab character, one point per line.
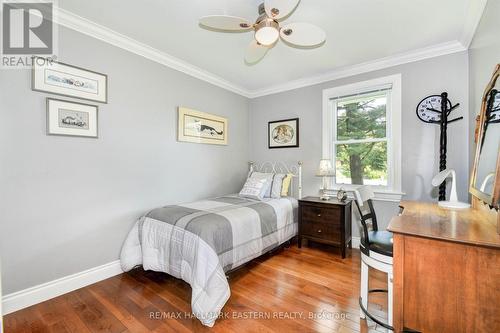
62	79
201	127
71	118
283	133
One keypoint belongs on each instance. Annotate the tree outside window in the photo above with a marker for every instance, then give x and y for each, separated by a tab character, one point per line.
360	143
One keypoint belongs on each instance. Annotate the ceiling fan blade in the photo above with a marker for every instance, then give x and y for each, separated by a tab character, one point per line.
304	35
279	9
226	23
255	52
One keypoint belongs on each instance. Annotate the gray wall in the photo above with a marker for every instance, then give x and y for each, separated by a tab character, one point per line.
67	203
484	55
420	142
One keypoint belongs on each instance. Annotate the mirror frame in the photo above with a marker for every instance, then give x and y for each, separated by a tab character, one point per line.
493	199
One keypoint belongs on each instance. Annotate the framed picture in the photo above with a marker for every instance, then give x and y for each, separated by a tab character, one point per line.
62	79
201	127
71	118
283	133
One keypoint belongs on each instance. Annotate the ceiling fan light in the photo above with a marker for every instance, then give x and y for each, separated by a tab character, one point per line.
267	36
267	31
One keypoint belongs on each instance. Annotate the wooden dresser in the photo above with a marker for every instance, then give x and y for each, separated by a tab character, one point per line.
446	269
326	222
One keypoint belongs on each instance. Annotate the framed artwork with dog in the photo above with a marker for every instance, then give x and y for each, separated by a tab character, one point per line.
201	127
70	118
67	80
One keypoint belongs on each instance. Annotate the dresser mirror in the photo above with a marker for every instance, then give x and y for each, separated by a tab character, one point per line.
485	180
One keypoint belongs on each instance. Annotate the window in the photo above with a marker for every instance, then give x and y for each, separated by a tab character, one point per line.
361	133
360	139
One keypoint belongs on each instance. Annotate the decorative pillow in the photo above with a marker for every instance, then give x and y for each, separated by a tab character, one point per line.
254	188
277	185
269	179
286	185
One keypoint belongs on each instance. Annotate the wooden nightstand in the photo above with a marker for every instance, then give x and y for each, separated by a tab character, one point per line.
326	222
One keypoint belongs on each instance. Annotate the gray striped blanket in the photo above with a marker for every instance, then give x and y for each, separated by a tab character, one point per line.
198	242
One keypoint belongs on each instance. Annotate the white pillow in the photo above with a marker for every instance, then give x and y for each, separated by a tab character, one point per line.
254	188
269	179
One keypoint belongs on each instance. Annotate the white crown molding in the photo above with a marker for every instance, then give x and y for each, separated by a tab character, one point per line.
37	294
475	11
72	21
342	72
80	24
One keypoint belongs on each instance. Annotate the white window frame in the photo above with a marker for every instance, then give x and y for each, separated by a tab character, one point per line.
391	192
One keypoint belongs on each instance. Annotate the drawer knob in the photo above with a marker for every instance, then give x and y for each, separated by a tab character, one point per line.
319	215
319	231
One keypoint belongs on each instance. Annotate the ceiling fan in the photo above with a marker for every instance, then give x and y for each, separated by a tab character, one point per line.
267	28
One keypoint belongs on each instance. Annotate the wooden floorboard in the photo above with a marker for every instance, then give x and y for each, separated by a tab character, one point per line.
294	290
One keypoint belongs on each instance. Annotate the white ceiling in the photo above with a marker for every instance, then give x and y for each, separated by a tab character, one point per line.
358	31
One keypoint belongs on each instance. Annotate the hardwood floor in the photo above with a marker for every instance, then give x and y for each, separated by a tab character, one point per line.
294	290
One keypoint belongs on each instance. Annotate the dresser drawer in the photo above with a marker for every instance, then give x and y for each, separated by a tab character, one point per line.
320	214
326	231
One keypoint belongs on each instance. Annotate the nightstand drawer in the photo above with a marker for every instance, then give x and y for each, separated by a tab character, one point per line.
321	214
326	231
325	221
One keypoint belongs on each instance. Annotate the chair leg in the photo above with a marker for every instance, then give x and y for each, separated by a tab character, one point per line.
364	288
389	298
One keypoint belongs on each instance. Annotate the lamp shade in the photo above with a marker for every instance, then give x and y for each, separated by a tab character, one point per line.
325	168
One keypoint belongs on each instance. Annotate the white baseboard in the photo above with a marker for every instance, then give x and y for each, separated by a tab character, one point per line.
355	242
37	294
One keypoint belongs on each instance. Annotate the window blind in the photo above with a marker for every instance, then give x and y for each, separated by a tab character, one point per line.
386	87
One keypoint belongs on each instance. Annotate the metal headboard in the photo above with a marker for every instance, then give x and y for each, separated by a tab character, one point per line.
281	167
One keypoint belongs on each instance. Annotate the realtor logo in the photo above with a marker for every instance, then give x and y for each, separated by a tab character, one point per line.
27	30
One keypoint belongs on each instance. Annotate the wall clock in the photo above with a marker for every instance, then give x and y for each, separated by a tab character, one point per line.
429	109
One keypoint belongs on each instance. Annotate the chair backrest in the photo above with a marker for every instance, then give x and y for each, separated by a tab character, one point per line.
364	195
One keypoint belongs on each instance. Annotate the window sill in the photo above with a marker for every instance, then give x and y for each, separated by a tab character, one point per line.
380	195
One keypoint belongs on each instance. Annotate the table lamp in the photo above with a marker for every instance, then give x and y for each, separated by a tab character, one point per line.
325	170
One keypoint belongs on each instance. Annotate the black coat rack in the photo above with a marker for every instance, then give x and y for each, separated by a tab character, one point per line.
443	138
433	116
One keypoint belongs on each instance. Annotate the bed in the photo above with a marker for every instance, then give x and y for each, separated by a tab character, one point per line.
200	241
